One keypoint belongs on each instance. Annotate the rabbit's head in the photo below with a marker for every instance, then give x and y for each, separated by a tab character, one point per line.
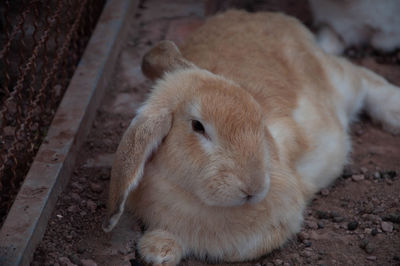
206	133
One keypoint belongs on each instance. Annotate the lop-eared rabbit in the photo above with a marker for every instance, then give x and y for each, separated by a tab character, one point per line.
246	121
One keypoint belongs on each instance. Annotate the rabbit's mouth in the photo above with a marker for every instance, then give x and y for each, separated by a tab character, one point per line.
258	197
233	196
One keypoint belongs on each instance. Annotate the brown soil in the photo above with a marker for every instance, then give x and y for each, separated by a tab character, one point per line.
353	222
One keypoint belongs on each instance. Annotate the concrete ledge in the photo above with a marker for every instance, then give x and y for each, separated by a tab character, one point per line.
26	222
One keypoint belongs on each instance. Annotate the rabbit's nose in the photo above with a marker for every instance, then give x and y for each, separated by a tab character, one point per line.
249	197
255	194
246	195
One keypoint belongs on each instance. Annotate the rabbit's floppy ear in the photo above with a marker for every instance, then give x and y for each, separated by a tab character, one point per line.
143	136
164	57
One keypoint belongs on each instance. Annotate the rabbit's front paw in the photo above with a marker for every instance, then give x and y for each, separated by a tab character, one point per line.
160	247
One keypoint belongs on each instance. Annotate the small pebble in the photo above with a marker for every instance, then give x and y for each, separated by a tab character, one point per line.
389	174
64	261
83	203
363	243
337	226
77	187
377	175
374	232
311	225
371	258
73	208
338	219
357	178
387	227
334	214
315	236
323	215
123	251
347	172
366	246
307	253
95	187
352	225
91	205
307	243
278	262
303	236
364	170
9	131
81	250
321	225
66	197
368	231
369	248
74	259
88	262
392	217
75	196
369	207
374	218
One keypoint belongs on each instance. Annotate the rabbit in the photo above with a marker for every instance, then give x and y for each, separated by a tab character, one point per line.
345	23
247	120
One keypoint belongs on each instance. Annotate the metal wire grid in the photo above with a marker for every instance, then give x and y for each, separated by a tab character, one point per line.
40	45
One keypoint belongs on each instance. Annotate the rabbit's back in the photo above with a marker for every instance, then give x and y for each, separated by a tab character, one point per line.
256	51
275	58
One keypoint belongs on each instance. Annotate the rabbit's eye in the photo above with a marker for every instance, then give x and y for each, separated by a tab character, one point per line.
198	127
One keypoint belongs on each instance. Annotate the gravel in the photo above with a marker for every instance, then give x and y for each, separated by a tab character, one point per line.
352	225
96	187
357	178
387	227
367	246
393	217
87	262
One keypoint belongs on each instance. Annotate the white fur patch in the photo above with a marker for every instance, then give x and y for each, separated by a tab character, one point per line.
329	149
325	161
329	41
349	98
358	21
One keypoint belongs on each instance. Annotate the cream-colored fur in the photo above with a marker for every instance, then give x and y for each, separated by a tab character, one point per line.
275	112
353	22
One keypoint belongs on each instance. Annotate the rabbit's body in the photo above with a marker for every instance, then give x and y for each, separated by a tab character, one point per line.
276	111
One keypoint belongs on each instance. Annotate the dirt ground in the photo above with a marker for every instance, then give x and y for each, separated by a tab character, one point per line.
356	221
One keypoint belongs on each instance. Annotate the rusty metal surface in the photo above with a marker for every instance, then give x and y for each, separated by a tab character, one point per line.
40	46
26	221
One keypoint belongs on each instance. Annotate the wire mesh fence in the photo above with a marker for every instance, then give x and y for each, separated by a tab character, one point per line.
41	43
